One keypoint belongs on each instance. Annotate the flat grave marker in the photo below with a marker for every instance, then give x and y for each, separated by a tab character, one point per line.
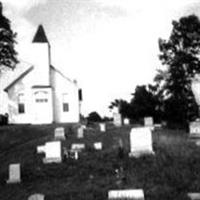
36	197
78	146
14	173
133	194
194	196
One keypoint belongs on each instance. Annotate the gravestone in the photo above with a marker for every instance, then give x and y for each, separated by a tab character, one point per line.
194	196
133	194
117	119
126	121
36	197
14	173
148	121
102	127
52	152
194	127
78	146
140	141
98	145
59	133
80	132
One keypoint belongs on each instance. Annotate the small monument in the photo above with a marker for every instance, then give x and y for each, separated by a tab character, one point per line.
126	121
52	152
195	125
98	145
14	173
77	146
132	194
194	196
80	132
117	118
59	133
102	127
140	141
36	197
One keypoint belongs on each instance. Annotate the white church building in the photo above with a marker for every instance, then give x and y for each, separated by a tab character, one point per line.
38	93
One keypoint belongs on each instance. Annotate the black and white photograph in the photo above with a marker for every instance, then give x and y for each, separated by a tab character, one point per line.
100	100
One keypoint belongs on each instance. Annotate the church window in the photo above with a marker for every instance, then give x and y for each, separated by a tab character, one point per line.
41	97
65	103
21	103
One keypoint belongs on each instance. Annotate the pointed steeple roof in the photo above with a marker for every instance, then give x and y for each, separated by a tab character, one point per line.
40	36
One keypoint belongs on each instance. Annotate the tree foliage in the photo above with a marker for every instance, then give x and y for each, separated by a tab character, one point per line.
180	54
94	117
7	42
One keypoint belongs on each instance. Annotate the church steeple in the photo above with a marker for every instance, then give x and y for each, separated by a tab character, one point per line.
40	36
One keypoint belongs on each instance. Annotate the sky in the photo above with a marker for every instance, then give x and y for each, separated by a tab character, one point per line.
108	46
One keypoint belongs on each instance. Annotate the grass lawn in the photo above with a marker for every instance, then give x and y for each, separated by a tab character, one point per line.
173	171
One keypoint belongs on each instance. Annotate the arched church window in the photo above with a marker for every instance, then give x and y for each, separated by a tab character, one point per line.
41	97
21	103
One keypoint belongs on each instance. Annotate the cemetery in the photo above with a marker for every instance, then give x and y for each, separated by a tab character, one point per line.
168	168
149	149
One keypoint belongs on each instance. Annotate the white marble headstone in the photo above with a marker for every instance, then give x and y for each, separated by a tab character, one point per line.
102	127
14	173
78	146
136	194
36	197
126	121
59	133
117	119
52	152
140	141
194	196
98	145
148	121
80	132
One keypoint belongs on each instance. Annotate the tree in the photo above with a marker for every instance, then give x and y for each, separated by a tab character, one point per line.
145	102
123	105
180	54
94	117
7	41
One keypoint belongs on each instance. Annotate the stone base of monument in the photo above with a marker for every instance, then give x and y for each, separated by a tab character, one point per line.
137	154
52	160
195	129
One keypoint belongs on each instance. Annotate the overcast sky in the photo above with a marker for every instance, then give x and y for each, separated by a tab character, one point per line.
109	46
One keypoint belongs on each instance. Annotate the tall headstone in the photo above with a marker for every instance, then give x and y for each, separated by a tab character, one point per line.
52	152
132	194
195	125
140	141
14	173
102	127
59	133
117	118
80	132
36	197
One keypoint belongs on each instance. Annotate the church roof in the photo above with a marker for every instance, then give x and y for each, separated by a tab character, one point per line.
40	36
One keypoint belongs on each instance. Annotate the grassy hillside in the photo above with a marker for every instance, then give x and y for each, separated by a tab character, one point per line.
170	174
